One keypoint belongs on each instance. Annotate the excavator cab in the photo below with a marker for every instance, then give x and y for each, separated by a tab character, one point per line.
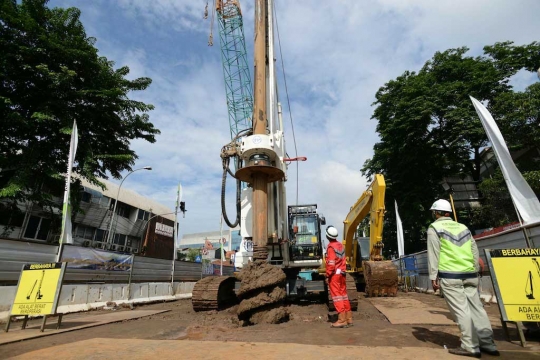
362	247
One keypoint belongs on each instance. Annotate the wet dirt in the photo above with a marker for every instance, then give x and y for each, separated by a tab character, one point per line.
262	291
308	324
258	275
264	298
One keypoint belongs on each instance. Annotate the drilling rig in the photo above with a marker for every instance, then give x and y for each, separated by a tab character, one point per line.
287	237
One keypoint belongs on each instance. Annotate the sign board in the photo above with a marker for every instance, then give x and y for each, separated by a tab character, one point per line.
207	268
248	245
165	230
516	279
38	289
198	259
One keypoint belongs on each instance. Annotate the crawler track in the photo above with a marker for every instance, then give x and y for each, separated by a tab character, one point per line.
213	293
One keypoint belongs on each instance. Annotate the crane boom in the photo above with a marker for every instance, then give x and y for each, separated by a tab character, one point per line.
238	86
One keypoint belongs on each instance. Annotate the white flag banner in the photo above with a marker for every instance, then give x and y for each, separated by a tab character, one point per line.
524	199
66	234
400	241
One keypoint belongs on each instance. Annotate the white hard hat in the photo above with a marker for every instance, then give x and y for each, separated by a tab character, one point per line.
331	233
441	205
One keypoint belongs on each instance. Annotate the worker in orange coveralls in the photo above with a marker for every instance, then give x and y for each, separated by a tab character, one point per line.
335	272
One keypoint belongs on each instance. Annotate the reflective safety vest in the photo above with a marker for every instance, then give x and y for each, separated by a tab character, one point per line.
456	260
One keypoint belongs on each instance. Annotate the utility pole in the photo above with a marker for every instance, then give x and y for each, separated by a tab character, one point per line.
175	232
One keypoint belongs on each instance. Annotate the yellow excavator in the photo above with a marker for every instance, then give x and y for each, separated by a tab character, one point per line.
365	264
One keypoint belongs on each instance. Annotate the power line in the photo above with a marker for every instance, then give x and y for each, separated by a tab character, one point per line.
288	101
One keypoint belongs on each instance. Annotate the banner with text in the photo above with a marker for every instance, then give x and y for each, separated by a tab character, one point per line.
92	259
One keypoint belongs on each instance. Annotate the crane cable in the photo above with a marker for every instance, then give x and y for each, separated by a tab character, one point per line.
288	101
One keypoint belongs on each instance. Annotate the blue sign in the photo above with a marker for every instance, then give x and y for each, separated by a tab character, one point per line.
198	259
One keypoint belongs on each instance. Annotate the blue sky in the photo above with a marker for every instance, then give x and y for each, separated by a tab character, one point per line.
336	53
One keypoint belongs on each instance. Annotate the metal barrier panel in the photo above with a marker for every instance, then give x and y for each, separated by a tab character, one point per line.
184	270
14	254
149	269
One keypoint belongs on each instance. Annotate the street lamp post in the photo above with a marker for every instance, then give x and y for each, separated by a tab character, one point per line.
109	235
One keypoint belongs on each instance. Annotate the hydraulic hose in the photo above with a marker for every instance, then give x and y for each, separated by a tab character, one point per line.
238	188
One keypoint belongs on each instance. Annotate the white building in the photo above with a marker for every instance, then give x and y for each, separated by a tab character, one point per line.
90	226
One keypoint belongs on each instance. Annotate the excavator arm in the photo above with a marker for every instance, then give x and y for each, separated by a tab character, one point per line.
371	203
381	277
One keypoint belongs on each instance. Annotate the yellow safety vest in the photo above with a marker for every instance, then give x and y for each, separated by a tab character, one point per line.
456	260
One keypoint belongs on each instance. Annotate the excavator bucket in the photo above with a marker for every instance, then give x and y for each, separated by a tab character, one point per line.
381	278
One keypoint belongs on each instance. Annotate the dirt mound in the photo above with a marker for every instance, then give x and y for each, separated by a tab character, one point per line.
258	275
263	298
277	315
262	293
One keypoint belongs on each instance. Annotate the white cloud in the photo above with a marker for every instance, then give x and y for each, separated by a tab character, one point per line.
337	54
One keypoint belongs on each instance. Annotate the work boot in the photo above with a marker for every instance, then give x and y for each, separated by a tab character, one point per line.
341	322
348	315
462	352
490	351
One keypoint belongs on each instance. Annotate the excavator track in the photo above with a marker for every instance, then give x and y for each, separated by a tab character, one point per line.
381	278
351	293
213	293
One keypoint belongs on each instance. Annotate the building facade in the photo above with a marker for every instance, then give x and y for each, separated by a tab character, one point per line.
137	219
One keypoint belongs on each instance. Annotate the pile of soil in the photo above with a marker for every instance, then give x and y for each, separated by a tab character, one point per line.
262	292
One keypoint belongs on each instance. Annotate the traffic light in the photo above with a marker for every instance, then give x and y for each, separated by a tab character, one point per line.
183	207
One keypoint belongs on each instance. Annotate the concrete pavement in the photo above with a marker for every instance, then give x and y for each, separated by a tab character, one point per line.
186	349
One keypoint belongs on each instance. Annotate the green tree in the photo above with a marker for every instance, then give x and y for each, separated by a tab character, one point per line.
429	129
50	75
192	254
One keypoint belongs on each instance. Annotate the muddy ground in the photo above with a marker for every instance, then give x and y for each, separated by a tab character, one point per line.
308	325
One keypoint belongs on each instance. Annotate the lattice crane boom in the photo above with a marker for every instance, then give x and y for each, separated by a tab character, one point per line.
238	87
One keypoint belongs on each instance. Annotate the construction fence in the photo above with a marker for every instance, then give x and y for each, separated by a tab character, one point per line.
413	268
95	278
118	267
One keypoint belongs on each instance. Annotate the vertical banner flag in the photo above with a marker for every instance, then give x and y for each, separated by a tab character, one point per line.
524	199
178	198
66	235
400	243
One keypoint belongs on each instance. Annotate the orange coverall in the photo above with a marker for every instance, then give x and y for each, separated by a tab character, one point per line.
335	272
